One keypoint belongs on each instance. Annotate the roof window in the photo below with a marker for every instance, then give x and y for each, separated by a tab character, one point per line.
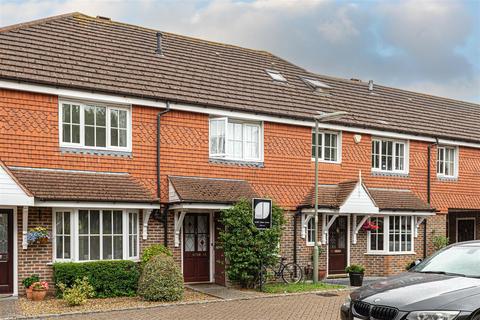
317	85
275	75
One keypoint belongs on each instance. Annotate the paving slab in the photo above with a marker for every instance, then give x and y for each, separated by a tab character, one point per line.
221	292
8	307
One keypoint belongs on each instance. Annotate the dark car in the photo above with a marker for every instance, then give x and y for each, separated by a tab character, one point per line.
445	286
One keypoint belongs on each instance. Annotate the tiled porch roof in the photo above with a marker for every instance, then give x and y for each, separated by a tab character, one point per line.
333	196
66	185
209	190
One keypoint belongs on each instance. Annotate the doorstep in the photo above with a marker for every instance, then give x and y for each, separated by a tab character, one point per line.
337	276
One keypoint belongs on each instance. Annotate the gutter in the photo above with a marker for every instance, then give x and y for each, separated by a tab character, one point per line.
159	182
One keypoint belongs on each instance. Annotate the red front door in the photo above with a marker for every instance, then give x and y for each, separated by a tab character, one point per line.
196	248
337	246
6	251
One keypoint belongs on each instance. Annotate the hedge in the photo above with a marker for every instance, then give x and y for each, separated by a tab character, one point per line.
112	278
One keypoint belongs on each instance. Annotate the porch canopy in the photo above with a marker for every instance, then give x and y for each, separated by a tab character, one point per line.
58	188
355	198
201	194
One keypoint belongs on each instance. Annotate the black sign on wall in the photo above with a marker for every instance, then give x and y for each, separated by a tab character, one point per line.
262	213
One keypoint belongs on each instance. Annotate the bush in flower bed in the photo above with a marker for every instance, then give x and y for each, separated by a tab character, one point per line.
78	294
161	280
154	250
112	278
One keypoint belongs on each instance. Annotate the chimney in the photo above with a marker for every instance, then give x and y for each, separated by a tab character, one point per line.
370	85
159	44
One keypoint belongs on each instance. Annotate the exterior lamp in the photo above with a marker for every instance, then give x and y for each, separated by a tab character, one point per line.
321	117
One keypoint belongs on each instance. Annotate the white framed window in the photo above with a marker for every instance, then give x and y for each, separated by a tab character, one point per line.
328	146
95	234
63	236
308	229
447	162
394	235
234	139
94	126
389	155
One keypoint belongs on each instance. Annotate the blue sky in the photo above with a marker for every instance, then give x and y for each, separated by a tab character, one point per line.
426	46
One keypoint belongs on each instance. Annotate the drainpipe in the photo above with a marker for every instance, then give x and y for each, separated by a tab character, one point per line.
429	192
165	212
295	237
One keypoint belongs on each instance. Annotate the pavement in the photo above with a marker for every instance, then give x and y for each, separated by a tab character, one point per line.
346	281
310	306
7	307
222	292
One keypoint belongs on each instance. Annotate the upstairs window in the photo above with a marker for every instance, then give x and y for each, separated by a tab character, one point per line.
233	139
447	162
94	126
389	156
328	146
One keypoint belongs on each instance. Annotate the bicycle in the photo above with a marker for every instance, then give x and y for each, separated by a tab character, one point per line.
290	273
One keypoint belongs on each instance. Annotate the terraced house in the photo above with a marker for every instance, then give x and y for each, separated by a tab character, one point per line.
114	137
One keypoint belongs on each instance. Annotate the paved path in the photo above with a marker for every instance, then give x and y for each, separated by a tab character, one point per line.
223	292
294	307
7	307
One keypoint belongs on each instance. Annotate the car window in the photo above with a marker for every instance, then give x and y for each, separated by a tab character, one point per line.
463	260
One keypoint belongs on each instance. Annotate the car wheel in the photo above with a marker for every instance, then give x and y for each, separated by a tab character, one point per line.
476	315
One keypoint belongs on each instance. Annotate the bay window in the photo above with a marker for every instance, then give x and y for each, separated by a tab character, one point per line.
394	235
94	126
328	146
447	162
94	234
389	156
233	139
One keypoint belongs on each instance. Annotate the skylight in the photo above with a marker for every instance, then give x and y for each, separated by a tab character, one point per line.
316	84
275	75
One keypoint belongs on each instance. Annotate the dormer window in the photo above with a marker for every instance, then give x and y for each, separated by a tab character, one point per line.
275	75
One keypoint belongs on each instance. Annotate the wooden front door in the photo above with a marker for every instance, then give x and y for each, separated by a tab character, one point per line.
196	248
219	255
337	246
465	230
6	251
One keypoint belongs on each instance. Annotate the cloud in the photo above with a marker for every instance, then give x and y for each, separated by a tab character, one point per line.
430	46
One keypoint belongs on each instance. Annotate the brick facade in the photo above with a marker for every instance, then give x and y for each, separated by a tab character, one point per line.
29	131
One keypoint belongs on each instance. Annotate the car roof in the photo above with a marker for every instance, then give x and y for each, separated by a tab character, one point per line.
474	243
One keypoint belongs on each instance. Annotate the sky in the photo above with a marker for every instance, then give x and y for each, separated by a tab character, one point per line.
424	46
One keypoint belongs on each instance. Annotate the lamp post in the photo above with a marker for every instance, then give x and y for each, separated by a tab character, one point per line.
323	117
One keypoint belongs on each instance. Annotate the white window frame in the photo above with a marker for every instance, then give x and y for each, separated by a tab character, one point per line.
306	219
74	234
81	144
321	134
456	159
386	238
244	123
406	156
54	235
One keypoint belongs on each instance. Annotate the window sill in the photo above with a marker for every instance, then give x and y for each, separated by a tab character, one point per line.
96	152
242	163
389	174
324	161
447	179
137	260
390	253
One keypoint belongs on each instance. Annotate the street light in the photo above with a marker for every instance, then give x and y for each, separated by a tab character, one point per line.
322	117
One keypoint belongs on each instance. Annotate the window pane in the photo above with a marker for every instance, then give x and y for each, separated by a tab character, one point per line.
59	245
114	118
114	137
100	119
94	222
101	137
107	247
83	222
117	222
94	248
117	247
123	138
123	119
66	133
90	136
76	114
107	222
89	115
67	249
83	247
66	222
59	222
66	113
75	133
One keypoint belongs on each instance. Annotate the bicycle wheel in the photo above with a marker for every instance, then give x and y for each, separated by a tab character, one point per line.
292	273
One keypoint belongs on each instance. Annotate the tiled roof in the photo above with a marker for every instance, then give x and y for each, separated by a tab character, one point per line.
62	185
81	52
210	190
333	196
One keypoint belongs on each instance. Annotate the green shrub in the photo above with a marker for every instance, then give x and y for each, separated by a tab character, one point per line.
154	250
110	278
440	242
161	280
27	282
355	268
246	248
79	293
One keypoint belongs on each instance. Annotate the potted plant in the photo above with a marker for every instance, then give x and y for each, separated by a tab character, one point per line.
27	283
39	290
355	272
38	235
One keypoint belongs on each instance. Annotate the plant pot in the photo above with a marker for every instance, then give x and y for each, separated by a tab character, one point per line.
356	279
38	295
322	274
29	291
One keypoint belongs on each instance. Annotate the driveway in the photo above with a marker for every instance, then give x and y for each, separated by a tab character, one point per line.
304	306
